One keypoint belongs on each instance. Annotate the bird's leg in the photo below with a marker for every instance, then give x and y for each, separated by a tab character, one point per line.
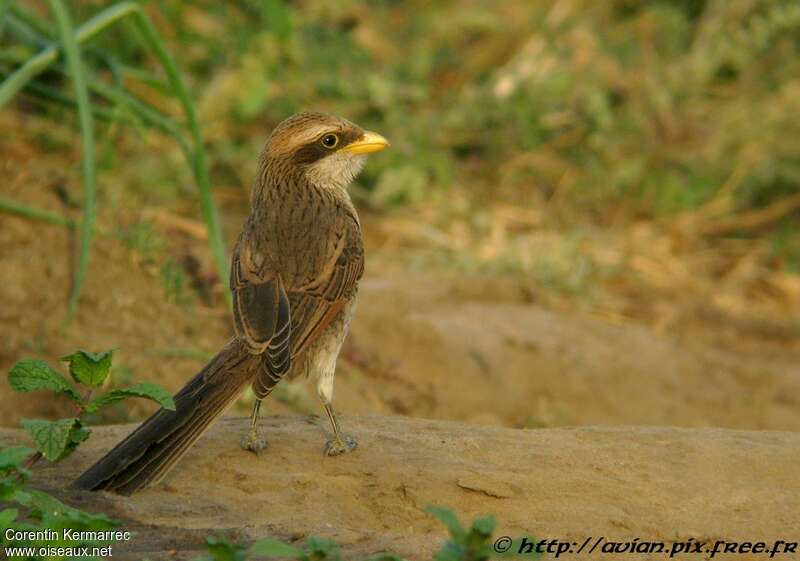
340	443
252	441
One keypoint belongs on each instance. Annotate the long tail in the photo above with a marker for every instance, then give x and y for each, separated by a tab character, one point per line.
150	451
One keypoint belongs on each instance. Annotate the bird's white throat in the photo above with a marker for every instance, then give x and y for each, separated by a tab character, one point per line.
337	170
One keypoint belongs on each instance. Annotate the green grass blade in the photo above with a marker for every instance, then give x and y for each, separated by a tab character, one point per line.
76	69
115	95
145	112
3	11
54	95
199	160
25	34
147	78
48	56
197	155
34	21
12	207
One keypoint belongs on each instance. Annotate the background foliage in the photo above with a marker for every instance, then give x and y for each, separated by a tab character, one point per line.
616	111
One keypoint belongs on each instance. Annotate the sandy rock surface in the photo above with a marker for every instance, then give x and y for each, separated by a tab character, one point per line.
655	484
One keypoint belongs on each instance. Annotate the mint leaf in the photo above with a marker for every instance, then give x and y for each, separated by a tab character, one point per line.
223	550
11	484
8	516
79	433
450	551
484	526
40	502
51	437
142	389
32	374
55	514
90	369
321	548
449	519
13	456
270	547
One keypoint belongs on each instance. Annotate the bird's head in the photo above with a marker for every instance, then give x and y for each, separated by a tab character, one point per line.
325	150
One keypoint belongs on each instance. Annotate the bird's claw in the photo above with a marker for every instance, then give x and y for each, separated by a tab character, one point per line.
340	445
253	443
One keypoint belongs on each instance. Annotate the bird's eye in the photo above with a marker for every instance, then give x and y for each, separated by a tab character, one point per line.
330	141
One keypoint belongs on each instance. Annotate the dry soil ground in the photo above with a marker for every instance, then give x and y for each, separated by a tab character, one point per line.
658	484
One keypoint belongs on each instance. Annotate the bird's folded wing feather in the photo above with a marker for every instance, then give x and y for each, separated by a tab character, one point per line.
261	312
316	303
281	321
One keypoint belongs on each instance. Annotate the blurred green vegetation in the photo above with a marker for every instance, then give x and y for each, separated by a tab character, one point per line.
649	104
617	111
35	50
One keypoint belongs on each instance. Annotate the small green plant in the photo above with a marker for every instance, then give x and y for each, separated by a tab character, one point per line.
55	440
315	549
38	520
473	544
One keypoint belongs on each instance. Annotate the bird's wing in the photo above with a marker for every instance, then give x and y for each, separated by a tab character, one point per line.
280	321
261	309
317	302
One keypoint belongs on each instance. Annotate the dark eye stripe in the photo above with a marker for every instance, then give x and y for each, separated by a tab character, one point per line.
313	151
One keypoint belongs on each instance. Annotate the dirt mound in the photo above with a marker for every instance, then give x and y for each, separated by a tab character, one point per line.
474	350
655	484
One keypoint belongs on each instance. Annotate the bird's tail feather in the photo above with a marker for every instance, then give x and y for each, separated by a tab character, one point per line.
150	451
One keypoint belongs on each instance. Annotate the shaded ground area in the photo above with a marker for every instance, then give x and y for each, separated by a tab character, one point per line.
656	484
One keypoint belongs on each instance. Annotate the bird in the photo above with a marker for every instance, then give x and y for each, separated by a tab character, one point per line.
294	277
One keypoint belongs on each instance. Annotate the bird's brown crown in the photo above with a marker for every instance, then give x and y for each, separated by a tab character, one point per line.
305	136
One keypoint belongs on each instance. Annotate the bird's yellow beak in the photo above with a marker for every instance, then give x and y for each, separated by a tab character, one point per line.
370	142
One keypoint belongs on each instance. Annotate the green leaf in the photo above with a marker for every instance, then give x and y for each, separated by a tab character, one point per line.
142	389
320	548
51	437
384	556
90	369
271	547
8	516
32	374
13	456
449	519
79	433
484	525
223	550
40	502
77	71
74	518
10	485
450	552
54	513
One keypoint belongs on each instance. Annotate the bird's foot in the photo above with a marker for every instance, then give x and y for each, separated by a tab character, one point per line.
340	445
253	442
